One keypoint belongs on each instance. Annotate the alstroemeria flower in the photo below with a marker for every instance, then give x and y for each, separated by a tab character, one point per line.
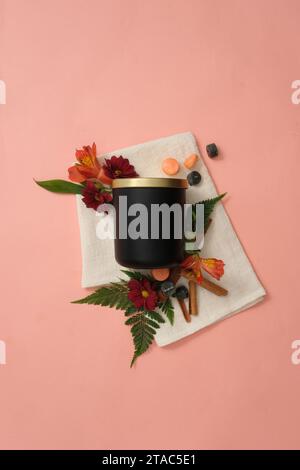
87	167
213	266
142	294
193	263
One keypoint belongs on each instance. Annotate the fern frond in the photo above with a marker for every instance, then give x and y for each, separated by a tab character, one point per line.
156	316
167	308
209	205
113	295
143	332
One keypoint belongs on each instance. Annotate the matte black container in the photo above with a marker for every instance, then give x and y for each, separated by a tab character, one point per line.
149	253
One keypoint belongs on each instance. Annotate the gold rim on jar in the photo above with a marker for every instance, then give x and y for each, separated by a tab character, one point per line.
149	183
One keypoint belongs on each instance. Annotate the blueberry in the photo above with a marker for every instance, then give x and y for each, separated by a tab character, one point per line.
182	292
168	288
194	178
212	150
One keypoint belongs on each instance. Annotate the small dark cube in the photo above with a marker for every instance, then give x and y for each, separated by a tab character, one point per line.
212	150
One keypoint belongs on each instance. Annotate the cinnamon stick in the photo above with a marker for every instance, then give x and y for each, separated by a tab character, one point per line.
184	310
214	288
208	285
193	304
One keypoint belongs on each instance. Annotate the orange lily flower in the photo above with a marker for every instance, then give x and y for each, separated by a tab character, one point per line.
193	263
88	166
213	266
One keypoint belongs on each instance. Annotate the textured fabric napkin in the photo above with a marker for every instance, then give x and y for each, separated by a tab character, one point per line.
100	267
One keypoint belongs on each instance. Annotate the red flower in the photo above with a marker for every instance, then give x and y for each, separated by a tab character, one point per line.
93	195
119	167
141	294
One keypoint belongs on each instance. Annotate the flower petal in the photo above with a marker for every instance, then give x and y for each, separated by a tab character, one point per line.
213	266
80	154
146	284
151	301
134	284
75	175
191	262
82	173
87	156
199	277
102	176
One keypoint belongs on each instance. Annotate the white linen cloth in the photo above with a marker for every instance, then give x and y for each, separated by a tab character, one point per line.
100	267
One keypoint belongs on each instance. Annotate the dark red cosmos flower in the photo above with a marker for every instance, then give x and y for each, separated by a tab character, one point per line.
142	294
119	167
93	196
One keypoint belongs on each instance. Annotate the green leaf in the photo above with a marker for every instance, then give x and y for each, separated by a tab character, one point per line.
61	186
143	332
209	205
155	316
130	310
153	323
113	295
167	308
132	320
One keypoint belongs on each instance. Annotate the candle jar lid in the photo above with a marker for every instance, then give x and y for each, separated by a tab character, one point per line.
149	183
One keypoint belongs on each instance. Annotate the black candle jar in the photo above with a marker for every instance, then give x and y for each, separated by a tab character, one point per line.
161	248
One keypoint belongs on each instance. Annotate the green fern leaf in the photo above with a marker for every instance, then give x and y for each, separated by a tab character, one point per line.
144	324
132	320
113	295
153	323
167	308
143	332
130	310
156	316
209	205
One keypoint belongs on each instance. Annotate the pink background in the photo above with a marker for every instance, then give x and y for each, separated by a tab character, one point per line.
122	72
